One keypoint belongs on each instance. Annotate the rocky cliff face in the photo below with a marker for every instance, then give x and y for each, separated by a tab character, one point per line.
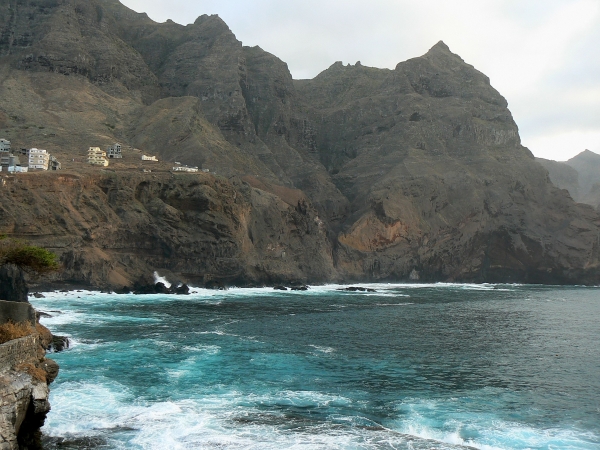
25	374
113	229
358	174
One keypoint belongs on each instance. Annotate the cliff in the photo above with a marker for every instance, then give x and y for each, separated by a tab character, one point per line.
359	174
25	374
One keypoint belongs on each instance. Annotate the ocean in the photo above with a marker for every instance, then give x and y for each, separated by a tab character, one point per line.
442	366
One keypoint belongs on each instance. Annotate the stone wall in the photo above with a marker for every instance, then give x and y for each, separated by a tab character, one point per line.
16	312
18	351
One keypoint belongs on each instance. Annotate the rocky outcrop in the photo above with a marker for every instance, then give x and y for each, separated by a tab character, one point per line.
416	173
13	286
114	229
24	378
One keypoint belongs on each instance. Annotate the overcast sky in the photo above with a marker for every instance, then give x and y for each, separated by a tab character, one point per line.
542	55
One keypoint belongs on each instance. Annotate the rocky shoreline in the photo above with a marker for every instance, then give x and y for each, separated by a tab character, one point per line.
25	376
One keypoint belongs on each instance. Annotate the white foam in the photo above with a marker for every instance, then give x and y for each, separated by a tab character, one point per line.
159	279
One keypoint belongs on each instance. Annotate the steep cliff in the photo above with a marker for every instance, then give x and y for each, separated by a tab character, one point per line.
358	174
112	229
25	374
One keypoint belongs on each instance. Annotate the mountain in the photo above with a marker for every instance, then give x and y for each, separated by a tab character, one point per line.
358	174
580	176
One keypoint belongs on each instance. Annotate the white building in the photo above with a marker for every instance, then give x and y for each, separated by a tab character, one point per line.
185	169
38	159
4	146
149	158
11	163
97	157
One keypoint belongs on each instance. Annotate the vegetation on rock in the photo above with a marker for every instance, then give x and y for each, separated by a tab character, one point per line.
10	331
27	257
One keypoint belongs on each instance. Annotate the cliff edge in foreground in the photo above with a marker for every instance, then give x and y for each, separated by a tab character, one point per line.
25	374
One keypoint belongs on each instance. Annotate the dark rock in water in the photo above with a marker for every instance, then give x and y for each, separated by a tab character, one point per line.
73	443
39	295
64	290
13	287
299	288
357	289
160	288
59	343
123	290
215	284
280	288
184	289
43	314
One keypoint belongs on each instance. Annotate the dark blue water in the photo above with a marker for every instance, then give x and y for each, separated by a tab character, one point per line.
408	367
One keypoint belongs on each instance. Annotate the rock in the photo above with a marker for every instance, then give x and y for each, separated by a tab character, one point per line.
13	287
46	337
123	290
181	290
280	288
51	367
39	295
357	289
160	288
299	288
59	343
216	285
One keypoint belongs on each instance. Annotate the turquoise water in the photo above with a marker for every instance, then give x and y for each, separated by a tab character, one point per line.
408	367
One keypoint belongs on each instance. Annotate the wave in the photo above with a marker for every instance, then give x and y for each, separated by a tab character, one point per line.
233	420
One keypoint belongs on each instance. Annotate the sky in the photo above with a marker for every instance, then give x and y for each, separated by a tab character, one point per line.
542	55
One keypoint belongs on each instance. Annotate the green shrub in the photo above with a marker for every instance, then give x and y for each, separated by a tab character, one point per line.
28	257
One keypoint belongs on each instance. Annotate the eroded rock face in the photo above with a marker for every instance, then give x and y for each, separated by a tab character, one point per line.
359	174
25	374
112	230
13	287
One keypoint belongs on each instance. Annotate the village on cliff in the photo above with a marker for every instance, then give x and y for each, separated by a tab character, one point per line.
38	159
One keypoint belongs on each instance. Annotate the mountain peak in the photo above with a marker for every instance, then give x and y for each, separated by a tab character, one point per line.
440	46
586	155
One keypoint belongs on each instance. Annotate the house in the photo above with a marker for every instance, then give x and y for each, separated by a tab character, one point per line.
38	159
114	151
4	146
54	164
11	163
149	158
97	157
185	169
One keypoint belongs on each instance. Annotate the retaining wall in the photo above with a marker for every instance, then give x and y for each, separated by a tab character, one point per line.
18	351
16	312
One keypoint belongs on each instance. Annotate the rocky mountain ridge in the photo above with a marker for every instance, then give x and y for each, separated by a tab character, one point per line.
579	175
359	174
